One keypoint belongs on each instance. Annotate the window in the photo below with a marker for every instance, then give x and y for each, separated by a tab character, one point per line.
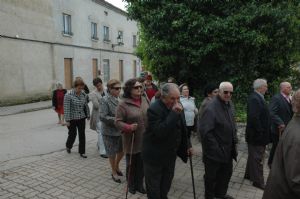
120	35
134	40
106	33
121	71
106	70
67	24
94	31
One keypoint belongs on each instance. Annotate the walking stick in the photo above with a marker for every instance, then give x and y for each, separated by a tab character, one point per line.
192	173
129	166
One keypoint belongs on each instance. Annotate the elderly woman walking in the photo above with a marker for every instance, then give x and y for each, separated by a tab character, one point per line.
131	119
111	135
58	102
284	177
95	123
76	111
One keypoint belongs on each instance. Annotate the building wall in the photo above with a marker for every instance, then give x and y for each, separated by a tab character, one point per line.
33	47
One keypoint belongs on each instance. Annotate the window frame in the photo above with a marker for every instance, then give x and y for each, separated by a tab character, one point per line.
67	24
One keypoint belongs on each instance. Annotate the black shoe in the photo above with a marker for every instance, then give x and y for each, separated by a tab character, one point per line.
83	156
120	173
115	179
68	150
132	190
141	190
260	186
103	156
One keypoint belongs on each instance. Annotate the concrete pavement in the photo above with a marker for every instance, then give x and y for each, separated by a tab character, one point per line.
34	164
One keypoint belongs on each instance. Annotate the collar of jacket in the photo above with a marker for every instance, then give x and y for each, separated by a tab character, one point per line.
131	102
112	98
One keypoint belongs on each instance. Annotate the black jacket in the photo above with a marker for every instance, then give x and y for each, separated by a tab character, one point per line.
218	131
281	112
258	121
165	136
54	98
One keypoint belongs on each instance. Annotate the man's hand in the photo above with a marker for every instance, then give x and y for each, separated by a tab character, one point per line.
190	152
67	124
281	127
177	108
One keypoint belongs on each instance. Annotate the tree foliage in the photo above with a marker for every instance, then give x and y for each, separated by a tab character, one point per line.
201	41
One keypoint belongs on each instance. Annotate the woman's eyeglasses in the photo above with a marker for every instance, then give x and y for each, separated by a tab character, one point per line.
138	87
116	88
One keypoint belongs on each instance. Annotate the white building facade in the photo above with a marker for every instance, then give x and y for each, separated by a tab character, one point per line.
48	41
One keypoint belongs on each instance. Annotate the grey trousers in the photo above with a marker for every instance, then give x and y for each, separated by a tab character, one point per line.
255	162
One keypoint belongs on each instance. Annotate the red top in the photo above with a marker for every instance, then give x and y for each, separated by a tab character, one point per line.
60	98
150	93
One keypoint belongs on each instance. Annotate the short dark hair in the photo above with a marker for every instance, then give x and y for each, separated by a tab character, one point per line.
209	88
171	80
129	84
96	81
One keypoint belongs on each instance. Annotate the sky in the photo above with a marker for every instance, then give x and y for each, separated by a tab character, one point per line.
117	3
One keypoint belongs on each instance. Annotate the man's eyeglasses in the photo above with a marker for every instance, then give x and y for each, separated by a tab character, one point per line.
138	87
116	88
228	92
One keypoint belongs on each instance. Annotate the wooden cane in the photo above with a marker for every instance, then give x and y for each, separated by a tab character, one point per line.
129	166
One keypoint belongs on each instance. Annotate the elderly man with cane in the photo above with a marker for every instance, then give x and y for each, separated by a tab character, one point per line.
219	139
164	139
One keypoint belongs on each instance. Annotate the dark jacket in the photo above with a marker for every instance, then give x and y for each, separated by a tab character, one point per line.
218	131
281	112
54	98
284	177
258	127
166	135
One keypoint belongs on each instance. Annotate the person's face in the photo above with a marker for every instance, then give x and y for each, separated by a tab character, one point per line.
213	93
148	82
115	90
264	89
99	86
136	89
226	93
185	91
287	89
59	87
79	88
173	98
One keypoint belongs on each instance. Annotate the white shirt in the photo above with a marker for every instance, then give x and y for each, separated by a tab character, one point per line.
190	109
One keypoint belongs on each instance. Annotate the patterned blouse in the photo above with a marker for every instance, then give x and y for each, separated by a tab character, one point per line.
76	106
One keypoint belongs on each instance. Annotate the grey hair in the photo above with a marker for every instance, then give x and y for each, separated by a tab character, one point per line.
58	84
282	84
224	85
166	88
258	83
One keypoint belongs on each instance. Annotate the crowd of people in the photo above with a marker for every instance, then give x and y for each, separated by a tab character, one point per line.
150	125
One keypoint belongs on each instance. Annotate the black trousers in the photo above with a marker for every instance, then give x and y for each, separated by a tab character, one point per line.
135	180
216	178
159	179
275	140
254	168
74	126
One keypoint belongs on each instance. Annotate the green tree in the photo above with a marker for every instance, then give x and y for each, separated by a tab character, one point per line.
201	41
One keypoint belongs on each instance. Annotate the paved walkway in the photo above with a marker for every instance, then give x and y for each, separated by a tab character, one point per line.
61	175
23	108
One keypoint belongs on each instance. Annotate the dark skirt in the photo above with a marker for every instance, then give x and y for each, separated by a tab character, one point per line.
113	145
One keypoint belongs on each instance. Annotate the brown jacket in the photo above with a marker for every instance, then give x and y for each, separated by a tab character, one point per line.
284	178
128	113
